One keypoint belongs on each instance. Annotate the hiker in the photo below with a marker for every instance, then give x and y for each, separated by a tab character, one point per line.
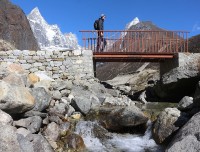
99	26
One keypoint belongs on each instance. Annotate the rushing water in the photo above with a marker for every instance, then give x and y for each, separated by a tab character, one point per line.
117	142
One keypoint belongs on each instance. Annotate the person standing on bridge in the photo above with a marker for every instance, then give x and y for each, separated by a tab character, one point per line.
101	42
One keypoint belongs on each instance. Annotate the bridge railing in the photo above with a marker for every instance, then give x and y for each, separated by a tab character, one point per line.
138	41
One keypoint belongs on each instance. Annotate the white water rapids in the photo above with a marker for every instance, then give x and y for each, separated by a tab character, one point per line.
118	142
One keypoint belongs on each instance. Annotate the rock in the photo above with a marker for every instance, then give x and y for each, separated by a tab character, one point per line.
81	104
8	68
142	97
8	139
186	103
57	95
187	138
15	79
64	128
42	98
25	145
32	113
197	95
23	131
168	121
32	78
15	99
118	117
52	131
45	84
61	85
76	116
40	144
33	124
15	27
6	119
75	142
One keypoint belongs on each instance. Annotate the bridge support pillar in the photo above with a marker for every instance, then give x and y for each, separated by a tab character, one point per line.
94	67
168	65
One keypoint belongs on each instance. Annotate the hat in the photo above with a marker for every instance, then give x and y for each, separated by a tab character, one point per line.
103	15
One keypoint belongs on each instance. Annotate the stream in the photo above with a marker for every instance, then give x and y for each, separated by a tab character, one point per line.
115	142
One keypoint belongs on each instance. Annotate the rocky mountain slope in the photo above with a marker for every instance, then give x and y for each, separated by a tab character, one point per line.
194	44
49	36
15	28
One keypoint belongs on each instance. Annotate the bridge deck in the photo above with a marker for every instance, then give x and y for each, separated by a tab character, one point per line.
132	57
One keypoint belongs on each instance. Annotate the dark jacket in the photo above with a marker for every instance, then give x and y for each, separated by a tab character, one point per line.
101	21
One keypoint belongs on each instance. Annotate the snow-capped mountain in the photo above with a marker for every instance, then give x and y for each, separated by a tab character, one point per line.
50	36
133	22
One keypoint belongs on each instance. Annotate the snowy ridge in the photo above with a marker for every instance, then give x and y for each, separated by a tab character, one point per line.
133	22
50	36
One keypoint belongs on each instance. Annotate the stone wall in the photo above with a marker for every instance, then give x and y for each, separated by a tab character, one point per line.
58	64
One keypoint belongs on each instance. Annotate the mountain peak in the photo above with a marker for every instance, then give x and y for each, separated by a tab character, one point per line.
133	22
49	35
36	11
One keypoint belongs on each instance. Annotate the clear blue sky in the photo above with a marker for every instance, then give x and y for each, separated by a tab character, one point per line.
75	15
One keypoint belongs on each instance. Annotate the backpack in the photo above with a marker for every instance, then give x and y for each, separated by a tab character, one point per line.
96	25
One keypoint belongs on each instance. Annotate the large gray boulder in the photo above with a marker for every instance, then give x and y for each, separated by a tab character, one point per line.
84	99
187	138
15	99
166	124
118	117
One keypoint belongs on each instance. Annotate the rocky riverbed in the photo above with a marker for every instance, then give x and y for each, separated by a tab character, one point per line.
42	114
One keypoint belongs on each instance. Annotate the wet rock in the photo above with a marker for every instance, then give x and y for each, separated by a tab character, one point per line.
64	128
118	117
75	142
168	121
186	103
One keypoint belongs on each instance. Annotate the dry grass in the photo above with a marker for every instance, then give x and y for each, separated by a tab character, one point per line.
5	46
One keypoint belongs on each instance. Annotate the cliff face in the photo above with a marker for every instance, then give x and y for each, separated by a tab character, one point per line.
15	28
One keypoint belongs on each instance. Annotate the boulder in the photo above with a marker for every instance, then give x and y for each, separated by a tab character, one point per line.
187	138
15	99
118	117
186	103
42	98
168	121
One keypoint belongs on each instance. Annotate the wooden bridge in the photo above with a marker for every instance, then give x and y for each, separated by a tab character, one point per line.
136	45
